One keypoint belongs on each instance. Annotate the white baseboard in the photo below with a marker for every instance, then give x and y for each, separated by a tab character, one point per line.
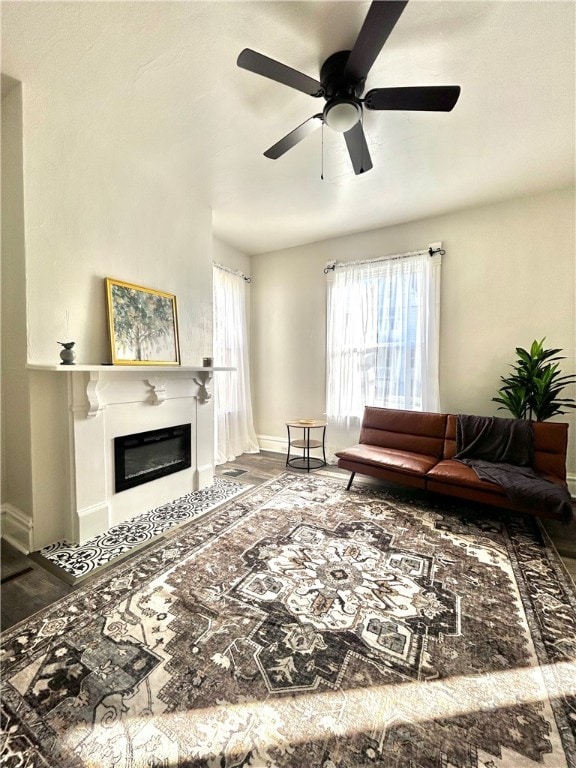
16	528
280	445
92	521
272	443
204	476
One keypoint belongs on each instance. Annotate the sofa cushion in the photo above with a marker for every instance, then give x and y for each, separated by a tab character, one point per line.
404	462
416	432
456	473
450	438
550	447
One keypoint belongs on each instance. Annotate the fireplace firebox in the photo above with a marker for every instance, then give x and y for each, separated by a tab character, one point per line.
146	456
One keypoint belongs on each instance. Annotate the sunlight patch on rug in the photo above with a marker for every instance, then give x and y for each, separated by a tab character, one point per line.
415	703
303	625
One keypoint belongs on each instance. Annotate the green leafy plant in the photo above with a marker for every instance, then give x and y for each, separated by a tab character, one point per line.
532	390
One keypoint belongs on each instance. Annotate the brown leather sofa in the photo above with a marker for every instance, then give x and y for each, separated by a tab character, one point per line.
416	449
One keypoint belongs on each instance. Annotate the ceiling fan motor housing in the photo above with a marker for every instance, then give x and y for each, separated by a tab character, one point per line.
333	80
343	107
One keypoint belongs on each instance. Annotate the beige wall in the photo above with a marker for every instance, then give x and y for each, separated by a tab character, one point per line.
508	277
109	219
16	449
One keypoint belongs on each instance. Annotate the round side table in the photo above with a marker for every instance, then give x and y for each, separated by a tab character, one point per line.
305	461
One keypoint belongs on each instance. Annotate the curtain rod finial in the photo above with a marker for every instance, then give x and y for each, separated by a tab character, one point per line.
434	248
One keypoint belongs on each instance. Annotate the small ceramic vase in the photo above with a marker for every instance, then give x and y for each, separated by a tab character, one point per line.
67	355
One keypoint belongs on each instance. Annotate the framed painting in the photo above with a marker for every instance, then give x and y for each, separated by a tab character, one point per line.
142	324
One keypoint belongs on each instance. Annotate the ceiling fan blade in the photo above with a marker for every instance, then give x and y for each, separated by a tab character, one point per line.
358	149
427	98
262	65
294	137
378	24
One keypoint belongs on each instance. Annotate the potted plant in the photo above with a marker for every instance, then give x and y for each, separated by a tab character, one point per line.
532	390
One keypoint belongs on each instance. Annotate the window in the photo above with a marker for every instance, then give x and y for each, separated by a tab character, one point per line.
382	335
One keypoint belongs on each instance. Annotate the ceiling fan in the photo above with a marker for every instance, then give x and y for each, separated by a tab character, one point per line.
342	79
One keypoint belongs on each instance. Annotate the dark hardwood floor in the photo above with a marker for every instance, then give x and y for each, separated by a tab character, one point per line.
28	587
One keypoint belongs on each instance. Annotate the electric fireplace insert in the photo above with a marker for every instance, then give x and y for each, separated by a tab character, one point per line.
146	456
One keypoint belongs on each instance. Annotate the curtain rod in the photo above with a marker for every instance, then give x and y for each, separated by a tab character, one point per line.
233	272
331	266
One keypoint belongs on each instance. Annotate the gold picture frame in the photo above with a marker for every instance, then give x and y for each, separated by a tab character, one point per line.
142	325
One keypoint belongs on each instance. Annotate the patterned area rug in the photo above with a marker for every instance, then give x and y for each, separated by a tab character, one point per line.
302	625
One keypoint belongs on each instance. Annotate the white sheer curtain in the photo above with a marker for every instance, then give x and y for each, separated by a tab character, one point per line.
234	433
382	336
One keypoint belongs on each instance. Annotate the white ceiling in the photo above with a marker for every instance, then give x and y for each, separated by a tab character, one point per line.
159	81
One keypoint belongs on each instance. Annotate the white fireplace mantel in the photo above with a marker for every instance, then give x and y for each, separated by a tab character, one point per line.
156	375
123	368
74	469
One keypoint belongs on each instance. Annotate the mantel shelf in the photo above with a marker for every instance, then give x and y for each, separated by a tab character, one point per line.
150	369
97	377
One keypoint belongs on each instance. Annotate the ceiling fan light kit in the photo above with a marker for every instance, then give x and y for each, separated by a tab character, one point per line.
341	84
342	114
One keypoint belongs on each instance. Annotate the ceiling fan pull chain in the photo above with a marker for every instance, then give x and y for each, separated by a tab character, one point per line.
322	155
362	152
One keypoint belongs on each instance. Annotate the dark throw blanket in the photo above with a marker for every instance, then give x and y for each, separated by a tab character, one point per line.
501	451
